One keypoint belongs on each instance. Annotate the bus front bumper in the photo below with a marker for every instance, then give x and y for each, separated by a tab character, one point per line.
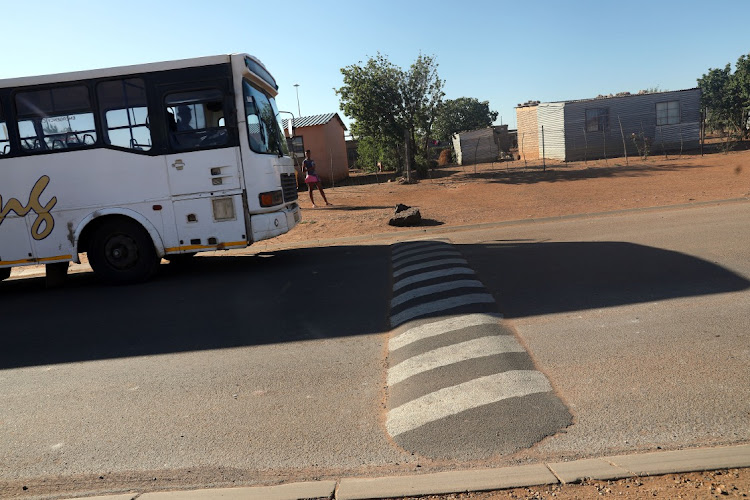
265	226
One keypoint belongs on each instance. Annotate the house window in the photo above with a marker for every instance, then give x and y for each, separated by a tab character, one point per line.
597	119
296	145
667	113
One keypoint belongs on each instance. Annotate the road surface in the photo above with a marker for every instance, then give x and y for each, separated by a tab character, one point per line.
260	368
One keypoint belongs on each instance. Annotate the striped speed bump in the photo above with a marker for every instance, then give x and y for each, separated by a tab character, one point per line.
431	278
459	383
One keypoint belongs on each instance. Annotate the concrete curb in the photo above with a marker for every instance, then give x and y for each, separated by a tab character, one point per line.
317	489
436	483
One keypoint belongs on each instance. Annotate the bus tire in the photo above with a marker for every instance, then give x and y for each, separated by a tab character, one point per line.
5	273
122	252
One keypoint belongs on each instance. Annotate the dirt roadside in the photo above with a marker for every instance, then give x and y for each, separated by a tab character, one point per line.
732	483
508	191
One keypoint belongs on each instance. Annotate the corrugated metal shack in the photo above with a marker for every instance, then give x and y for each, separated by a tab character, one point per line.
605	126
528	130
481	146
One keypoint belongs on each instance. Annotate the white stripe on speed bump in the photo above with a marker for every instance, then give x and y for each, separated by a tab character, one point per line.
427	265
431	275
473	394
398	261
417	247
440	327
441	305
440	287
444	356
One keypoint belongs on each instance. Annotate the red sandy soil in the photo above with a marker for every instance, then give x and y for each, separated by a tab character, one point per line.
456	195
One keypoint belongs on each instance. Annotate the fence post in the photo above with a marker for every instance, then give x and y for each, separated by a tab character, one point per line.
702	132
476	148
523	151
544	156
624	147
407	151
585	146
330	157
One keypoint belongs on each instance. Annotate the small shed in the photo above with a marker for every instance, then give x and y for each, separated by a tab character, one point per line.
323	135
609	126
480	146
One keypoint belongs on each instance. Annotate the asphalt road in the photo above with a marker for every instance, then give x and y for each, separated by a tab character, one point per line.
640	321
243	363
261	368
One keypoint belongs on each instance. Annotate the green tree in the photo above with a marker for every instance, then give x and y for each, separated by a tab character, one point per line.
741	86
726	97
464	113
371	151
389	105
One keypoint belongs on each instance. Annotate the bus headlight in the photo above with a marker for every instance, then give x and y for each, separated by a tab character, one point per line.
271	198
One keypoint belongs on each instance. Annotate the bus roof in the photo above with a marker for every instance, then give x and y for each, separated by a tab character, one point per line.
120	70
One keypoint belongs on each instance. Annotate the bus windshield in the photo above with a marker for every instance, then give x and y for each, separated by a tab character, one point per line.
263	122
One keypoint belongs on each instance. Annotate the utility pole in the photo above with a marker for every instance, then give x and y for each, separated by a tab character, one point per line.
296	87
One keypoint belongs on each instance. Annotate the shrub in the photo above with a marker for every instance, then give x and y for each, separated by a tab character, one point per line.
642	144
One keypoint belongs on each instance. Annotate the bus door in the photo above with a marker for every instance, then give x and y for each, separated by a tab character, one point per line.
203	169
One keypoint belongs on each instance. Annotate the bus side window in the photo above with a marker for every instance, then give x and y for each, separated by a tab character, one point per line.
124	112
196	120
58	118
4	140
29	138
254	130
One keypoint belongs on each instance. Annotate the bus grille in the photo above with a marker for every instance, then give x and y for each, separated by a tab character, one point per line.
289	186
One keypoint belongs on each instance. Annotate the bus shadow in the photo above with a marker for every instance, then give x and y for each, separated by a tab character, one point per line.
530	279
212	303
220	302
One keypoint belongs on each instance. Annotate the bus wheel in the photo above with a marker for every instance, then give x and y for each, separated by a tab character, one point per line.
4	273
122	252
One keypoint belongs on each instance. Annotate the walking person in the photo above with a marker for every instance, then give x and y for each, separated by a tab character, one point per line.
312	179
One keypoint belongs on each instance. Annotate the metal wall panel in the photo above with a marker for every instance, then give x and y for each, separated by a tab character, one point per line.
551	124
476	146
528	132
628	115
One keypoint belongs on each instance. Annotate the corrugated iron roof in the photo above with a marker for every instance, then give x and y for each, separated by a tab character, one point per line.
311	121
623	94
528	104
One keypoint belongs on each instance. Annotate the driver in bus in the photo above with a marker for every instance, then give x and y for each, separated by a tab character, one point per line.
184	115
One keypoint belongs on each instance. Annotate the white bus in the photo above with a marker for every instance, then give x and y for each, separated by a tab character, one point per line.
136	163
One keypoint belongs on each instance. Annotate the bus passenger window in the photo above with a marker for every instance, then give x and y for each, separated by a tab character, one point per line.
29	139
4	141
196	120
59	118
124	112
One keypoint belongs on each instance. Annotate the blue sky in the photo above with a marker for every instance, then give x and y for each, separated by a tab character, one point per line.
500	51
